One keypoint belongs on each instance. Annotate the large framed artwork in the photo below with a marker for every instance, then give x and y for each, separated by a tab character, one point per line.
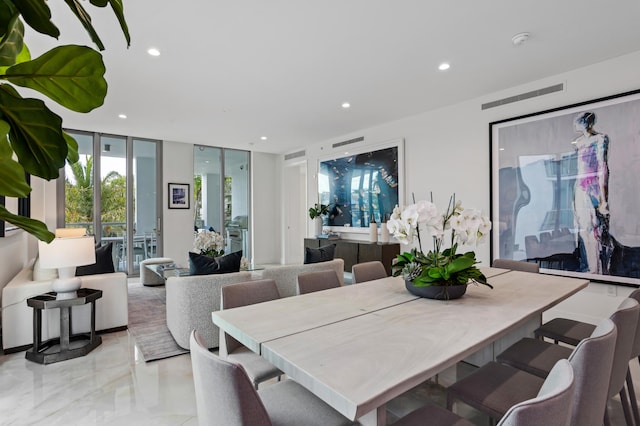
565	189
361	186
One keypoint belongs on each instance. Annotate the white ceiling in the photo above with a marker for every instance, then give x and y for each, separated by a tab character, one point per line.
233	71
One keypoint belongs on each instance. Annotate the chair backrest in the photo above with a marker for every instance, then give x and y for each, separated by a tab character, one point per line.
635	351
309	282
243	294
224	393
592	360
552	406
368	271
516	265
626	320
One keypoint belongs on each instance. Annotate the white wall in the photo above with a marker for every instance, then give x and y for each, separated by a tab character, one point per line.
447	151
177	230
266	208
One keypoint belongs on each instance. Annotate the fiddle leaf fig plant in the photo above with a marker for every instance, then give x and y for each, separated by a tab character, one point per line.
31	135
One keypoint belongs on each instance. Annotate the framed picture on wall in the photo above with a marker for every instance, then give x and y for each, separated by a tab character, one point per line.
564	189
178	195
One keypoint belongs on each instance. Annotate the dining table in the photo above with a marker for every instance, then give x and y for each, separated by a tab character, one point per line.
359	346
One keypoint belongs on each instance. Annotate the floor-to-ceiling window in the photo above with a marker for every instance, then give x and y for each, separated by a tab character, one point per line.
118	177
221	195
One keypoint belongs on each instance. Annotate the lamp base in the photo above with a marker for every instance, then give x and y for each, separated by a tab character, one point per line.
66	287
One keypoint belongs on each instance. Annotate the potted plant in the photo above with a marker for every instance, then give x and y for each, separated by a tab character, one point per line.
441	273
315	213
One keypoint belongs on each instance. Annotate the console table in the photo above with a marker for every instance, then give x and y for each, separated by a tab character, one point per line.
354	251
68	345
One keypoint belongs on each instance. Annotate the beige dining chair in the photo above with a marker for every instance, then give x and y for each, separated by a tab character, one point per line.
572	332
242	294
368	271
226	396
536	356
494	388
550	407
309	282
516	265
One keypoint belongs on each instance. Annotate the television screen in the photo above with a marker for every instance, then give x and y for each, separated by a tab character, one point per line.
359	188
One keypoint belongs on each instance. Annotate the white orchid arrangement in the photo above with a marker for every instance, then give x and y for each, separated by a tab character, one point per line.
439	266
209	243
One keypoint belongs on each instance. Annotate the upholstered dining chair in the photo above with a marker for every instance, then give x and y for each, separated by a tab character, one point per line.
537	356
241	294
368	271
226	396
494	387
309	282
516	265
551	406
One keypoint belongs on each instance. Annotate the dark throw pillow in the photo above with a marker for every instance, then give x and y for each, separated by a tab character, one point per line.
200	264
321	254
103	265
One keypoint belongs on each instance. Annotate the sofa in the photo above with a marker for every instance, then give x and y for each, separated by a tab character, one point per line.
192	299
112	311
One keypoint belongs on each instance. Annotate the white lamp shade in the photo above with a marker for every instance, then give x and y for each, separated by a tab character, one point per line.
67	252
70	232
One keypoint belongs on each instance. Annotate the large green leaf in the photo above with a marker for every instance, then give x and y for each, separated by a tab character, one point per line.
23	56
36	133
72	147
12	179
85	20
118	9
38	15
32	226
71	75
11	44
7	12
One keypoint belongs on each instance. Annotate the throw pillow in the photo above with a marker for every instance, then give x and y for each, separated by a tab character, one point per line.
200	264
321	254
103	265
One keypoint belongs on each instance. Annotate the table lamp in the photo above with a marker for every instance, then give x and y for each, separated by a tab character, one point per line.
65	254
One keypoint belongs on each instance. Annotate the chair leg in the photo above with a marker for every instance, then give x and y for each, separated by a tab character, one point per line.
632	398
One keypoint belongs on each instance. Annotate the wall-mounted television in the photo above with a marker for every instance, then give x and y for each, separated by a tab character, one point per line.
361	187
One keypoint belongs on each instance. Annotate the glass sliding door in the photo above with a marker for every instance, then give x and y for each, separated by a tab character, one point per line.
119	177
221	195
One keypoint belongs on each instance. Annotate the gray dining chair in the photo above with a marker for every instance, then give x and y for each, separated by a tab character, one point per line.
494	388
242	294
537	356
368	271
308	282
226	396
516	265
550	407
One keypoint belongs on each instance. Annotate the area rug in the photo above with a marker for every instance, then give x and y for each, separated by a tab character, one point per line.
148	323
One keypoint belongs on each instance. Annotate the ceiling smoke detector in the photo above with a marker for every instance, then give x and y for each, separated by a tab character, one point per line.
520	38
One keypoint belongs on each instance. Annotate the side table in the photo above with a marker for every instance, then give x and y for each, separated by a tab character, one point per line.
68	345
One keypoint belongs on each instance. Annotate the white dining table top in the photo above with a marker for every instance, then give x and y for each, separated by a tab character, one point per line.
359	346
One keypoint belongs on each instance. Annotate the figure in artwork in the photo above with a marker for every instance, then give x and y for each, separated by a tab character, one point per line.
591	205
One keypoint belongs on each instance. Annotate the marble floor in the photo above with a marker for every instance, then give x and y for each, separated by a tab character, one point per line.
113	386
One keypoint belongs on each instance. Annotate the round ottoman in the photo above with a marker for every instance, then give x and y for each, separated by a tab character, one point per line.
148	277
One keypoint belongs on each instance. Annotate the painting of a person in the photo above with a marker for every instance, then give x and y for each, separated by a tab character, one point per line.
591	207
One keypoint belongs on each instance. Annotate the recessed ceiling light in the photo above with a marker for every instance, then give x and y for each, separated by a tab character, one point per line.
264	138
123	116
153	52
444	66
346	105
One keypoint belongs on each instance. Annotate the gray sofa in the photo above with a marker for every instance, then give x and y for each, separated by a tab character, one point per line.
192	299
